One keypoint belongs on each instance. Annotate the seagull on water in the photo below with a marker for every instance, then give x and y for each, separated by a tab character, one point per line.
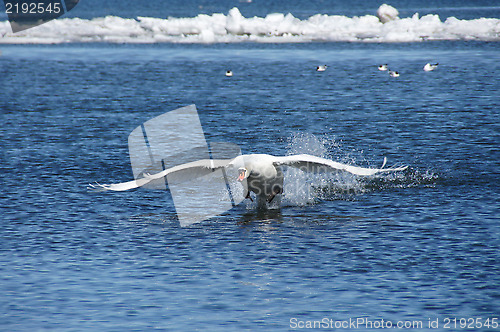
261	174
383	67
393	73
321	68
229	73
430	66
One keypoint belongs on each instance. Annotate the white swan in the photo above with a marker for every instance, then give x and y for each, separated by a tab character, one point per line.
258	173
430	66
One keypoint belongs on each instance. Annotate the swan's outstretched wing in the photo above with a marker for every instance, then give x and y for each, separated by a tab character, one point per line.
118	186
188	170
310	163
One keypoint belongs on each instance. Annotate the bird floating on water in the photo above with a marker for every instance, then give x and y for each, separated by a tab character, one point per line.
393	73
383	67
261	174
229	73
430	66
321	68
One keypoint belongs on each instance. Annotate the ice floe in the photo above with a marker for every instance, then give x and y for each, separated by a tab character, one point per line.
233	27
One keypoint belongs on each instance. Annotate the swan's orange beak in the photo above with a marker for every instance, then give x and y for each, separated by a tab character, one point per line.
241	175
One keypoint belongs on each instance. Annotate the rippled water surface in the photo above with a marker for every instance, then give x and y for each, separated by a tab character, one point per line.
416	245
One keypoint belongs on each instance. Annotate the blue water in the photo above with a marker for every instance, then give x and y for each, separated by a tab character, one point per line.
461	9
415	246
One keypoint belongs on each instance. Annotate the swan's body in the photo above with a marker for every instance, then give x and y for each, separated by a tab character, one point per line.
430	66
261	174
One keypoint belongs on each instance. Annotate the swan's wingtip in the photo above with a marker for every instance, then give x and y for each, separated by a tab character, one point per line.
394	168
400	168
97	187
384	162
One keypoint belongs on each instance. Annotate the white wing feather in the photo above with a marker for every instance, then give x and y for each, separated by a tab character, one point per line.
310	163
193	168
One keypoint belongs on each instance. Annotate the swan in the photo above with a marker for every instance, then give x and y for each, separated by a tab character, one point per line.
261	174
321	68
430	66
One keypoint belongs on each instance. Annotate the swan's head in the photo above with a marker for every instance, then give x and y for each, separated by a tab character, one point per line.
243	173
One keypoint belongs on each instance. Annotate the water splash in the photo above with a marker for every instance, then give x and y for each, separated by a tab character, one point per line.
409	179
302	188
